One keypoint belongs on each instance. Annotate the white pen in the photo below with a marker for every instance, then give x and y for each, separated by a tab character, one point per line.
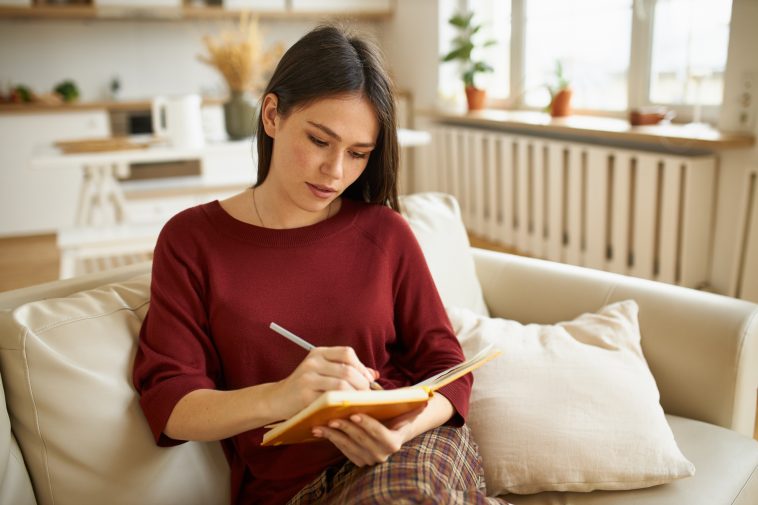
306	345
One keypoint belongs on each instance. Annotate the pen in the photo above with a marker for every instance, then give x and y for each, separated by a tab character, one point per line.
307	346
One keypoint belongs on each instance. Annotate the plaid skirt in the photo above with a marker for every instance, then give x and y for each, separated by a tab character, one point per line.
441	466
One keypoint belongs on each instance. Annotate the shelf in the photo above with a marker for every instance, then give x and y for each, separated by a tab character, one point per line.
89	12
590	128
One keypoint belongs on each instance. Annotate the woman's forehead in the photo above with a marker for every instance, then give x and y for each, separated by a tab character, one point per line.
349	116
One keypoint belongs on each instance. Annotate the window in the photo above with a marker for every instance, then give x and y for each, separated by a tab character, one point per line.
616	54
495	15
690	39
590	38
498	28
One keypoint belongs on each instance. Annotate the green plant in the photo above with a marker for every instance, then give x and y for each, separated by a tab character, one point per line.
559	83
67	90
465	44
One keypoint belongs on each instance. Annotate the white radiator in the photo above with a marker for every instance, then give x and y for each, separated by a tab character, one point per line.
633	212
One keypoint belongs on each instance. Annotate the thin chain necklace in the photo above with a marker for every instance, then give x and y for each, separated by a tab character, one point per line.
258	214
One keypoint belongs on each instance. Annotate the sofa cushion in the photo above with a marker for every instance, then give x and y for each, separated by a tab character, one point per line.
15	486
568	407
435	219
727	473
67	364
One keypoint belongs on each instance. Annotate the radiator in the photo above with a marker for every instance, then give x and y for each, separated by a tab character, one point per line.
633	212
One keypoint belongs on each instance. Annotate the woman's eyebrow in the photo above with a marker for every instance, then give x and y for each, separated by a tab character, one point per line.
336	137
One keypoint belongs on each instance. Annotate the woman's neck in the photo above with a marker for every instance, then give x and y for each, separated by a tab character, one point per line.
277	212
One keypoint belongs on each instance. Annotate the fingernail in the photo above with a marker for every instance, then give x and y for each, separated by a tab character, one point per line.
317	433
334	424
355	418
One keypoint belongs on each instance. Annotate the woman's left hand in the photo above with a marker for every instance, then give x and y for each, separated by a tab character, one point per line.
366	441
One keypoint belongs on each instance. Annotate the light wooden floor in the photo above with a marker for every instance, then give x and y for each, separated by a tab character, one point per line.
25	261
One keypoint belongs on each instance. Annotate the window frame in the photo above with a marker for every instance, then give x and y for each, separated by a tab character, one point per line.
638	75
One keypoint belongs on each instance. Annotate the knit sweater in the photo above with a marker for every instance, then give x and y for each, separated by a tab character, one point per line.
358	279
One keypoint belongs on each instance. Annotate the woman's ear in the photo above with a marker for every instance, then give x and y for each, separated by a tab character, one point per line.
269	115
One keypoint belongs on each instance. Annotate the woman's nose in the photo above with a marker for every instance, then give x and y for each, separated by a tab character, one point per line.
333	165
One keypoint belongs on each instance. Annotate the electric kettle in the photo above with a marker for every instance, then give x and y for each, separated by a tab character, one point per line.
179	120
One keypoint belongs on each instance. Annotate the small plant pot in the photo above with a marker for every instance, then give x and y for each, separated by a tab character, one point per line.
561	104
475	98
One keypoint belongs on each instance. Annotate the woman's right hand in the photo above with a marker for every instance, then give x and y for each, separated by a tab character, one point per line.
324	369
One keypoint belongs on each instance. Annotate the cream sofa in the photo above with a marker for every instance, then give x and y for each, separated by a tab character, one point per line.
73	432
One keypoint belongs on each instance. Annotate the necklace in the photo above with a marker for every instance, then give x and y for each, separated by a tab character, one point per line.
258	214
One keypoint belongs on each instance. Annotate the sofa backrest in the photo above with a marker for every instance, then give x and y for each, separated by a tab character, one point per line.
15	486
66	365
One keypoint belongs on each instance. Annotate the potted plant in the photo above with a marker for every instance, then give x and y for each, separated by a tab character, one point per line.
463	47
244	64
560	93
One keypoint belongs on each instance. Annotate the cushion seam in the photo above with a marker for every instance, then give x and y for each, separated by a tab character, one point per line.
46	463
62	322
744	485
735	374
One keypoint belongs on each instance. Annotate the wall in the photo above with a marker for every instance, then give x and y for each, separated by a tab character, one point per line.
151	57
736	166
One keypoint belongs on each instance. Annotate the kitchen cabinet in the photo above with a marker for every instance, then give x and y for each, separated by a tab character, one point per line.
39	201
366	6
266	9
257	5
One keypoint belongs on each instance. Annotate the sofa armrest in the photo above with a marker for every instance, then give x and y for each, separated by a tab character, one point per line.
702	348
11	299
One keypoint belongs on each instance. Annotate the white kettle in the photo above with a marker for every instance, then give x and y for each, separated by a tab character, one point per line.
179	119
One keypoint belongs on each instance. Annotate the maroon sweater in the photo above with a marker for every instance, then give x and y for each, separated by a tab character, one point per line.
358	279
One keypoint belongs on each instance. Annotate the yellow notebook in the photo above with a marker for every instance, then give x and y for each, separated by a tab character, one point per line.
380	405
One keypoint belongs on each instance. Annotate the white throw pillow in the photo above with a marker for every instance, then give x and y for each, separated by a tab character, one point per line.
435	219
568	407
67	370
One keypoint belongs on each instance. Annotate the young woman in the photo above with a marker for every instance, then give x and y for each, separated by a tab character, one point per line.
318	247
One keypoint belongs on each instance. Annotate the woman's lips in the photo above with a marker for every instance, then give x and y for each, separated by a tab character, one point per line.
323	192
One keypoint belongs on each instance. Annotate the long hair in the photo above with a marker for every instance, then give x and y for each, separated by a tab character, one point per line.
326	62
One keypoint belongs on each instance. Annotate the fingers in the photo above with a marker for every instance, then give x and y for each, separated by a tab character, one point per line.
363	439
346	356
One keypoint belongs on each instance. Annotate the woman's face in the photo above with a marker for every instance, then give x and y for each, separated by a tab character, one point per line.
319	150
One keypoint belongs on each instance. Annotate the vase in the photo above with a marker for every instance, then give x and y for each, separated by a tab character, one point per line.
475	98
241	115
561	104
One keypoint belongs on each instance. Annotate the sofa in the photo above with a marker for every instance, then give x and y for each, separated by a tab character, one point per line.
71	430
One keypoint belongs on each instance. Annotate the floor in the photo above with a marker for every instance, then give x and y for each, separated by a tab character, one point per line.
25	261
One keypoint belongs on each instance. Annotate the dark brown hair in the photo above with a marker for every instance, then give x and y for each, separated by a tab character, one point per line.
329	61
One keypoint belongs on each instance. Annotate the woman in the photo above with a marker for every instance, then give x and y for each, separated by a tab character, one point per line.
315	246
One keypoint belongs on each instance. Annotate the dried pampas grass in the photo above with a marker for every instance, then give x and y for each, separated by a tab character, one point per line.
239	55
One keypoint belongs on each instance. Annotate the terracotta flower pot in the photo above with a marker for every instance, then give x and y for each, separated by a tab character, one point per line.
475	98
561	104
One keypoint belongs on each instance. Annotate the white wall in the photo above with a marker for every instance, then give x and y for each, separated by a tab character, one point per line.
151	57
410	42
736	165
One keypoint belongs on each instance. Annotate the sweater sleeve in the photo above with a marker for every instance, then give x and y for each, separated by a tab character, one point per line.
428	341
175	354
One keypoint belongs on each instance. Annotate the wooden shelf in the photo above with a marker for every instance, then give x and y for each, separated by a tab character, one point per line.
124	105
90	12
599	129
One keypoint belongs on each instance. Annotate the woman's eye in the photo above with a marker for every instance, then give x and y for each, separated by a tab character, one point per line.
317	141
358	156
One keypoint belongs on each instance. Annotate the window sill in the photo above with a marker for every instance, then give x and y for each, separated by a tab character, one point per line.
598	129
